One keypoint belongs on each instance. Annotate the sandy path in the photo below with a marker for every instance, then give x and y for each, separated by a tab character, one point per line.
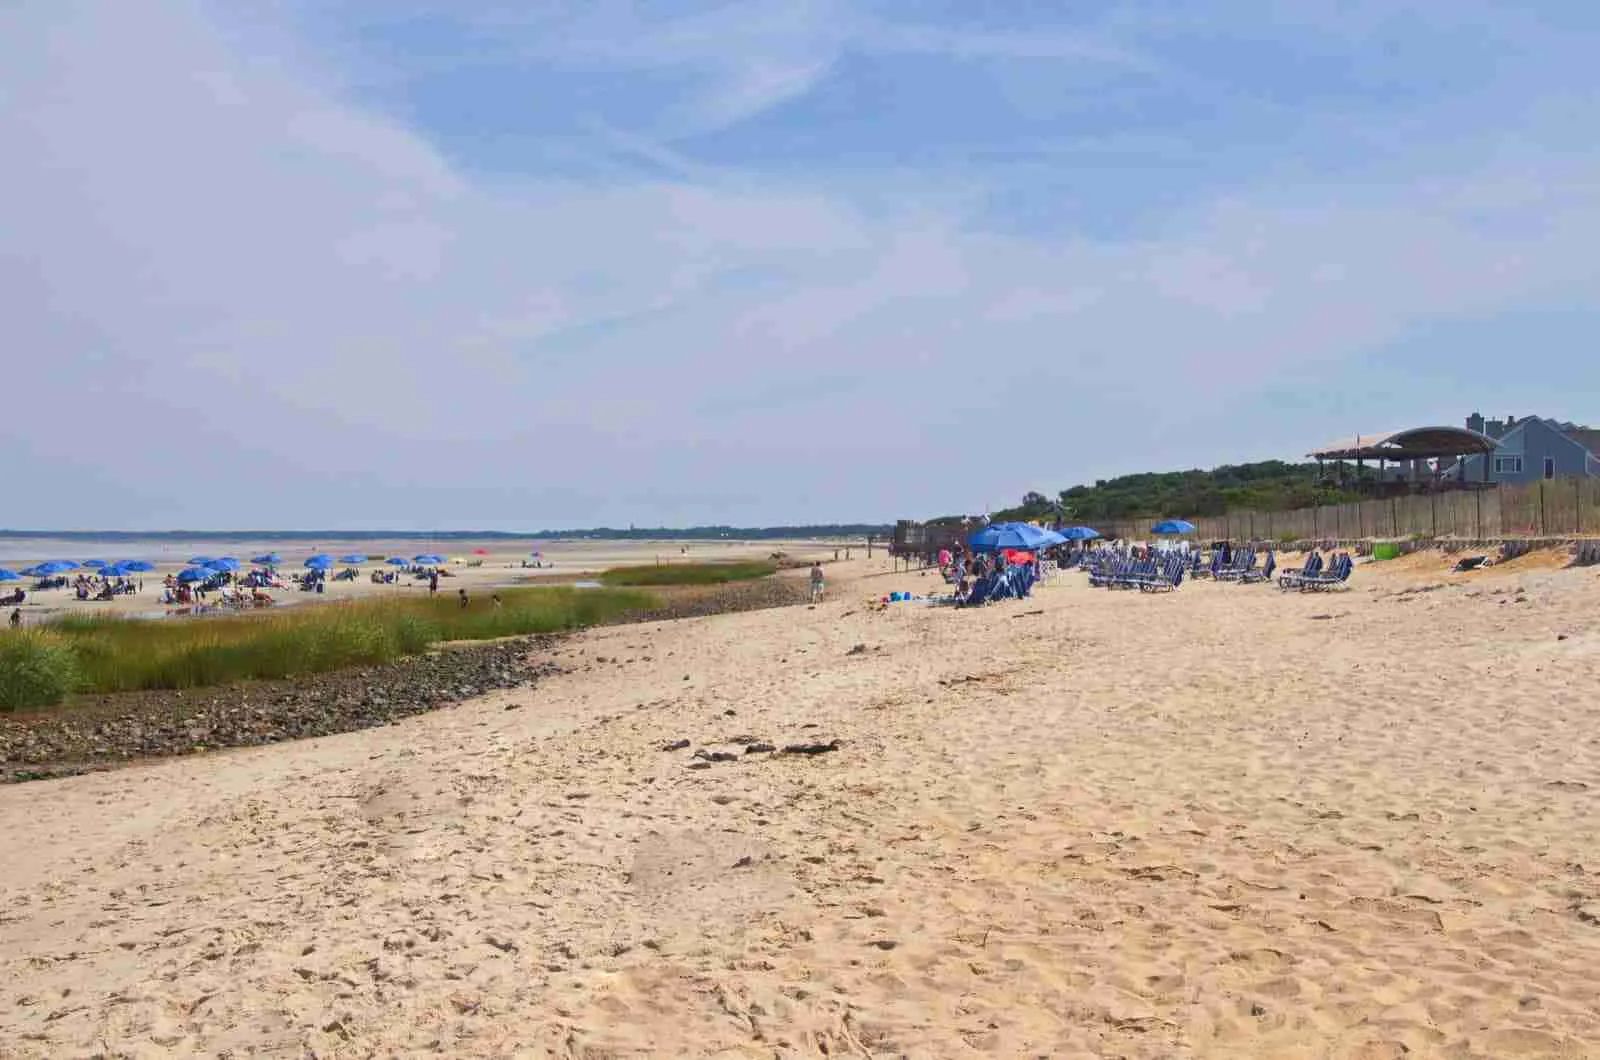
1208	824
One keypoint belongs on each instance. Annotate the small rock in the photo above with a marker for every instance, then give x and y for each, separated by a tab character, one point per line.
716	756
675	745
811	748
758	748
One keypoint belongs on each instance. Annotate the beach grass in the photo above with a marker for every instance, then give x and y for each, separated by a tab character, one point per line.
688	574
98	653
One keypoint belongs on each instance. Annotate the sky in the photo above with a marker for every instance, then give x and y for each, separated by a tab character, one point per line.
462	264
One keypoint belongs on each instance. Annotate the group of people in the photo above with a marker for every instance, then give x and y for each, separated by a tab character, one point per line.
964	567
94	587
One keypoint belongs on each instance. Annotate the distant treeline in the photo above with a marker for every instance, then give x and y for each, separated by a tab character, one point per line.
1268	486
686	533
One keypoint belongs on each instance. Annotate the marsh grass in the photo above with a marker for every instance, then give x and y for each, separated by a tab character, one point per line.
688	574
38	667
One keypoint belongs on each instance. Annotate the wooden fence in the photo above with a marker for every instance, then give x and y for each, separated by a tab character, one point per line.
1568	507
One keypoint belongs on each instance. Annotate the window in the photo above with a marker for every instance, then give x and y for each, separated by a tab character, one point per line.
1549	467
1508	465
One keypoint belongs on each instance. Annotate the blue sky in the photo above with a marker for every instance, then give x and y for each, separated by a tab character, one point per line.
467	264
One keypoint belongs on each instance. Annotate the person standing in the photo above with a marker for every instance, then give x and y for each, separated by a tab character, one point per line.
816	582
433	583
462	594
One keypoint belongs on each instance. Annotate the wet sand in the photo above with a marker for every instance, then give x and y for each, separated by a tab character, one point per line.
1226	822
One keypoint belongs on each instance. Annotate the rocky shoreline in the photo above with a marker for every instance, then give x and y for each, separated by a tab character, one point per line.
105	731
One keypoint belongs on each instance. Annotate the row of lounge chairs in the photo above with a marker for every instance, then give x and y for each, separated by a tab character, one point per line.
1112	570
1313	577
1152	575
1241	568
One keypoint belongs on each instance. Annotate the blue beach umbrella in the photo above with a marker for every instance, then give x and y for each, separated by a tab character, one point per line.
196	574
95	564
1080	533
9	575
1173	526
1022	536
136	566
398	561
32	572
321	561
115	570
56	566
267	559
200	561
354	557
227	563
429	559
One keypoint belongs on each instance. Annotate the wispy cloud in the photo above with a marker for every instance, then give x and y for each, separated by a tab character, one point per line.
219	269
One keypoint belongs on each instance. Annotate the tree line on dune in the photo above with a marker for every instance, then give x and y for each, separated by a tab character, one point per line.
1269	485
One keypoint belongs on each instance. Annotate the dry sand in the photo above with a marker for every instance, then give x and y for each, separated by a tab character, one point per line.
1226	822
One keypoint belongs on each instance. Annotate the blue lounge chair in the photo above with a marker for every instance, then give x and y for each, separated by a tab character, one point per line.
1243	563
1336	577
1167	578
1294	578
1264	574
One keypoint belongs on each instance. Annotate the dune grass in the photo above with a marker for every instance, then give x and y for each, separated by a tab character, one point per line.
688	574
91	653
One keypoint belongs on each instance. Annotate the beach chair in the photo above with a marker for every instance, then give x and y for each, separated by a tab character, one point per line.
1167	578
1243	562
981	590
1336	577
1294	578
1263	574
1135	572
1103	572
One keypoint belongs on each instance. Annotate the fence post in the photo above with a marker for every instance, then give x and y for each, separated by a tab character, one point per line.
1577	507
1433	510
1542	530
1477	495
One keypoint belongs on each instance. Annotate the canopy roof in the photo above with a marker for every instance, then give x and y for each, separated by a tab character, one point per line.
1416	443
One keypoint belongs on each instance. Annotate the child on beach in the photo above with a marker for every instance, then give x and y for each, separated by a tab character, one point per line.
816	582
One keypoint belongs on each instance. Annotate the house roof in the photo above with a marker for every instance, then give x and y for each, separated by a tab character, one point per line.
1414	443
1588	437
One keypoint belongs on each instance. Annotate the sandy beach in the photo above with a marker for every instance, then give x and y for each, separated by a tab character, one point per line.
1227	822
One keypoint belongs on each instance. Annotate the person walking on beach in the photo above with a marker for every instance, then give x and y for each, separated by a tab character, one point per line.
816	582
16	617
433	582
462	592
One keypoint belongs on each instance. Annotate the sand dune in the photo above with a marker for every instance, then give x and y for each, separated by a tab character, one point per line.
1223	823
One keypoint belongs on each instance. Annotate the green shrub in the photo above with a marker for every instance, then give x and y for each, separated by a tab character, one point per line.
37	669
688	574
